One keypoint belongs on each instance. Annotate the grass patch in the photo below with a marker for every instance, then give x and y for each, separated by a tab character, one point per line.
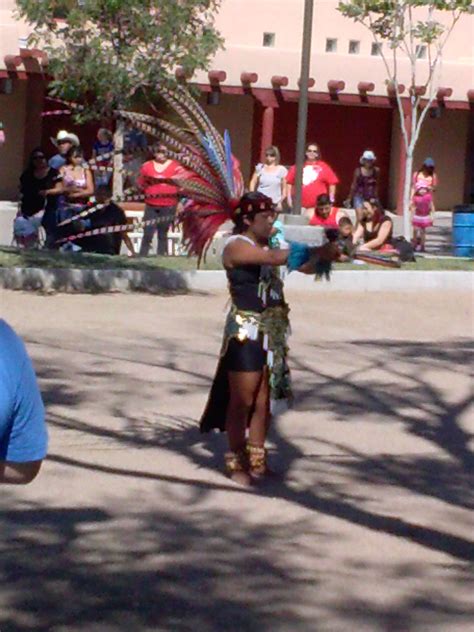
15	258
436	263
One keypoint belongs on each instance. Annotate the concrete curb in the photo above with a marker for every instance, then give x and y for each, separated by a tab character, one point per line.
92	281
352	280
162	280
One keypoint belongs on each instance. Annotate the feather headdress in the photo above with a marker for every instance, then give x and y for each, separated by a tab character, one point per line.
210	180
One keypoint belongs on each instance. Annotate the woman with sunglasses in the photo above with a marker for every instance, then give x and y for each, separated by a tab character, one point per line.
161	198
318	179
40	187
252	377
269	178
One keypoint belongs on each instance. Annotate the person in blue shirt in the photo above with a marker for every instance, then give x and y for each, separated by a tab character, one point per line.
23	434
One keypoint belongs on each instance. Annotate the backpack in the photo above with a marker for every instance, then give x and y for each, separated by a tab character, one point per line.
406	251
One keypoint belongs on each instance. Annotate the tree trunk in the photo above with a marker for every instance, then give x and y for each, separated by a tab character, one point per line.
406	194
117	186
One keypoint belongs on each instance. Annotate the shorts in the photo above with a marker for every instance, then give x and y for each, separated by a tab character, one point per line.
357	201
248	355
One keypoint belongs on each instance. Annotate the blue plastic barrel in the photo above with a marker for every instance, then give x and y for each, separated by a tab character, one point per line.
463	230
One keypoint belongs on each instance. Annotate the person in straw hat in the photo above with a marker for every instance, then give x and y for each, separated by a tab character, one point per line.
63	142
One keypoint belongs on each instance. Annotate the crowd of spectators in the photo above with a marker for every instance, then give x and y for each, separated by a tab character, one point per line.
55	190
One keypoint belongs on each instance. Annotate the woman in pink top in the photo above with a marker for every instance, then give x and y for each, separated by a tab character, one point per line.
77	184
422	203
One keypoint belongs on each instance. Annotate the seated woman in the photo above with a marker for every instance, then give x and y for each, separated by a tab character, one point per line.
325	214
39	190
78	184
374	231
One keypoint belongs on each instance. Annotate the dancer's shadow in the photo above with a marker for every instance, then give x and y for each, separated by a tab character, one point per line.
351	398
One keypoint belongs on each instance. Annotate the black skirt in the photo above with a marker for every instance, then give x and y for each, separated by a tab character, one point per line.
248	355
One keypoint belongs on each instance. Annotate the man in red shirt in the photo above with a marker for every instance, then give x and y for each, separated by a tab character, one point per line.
318	179
325	214
162	200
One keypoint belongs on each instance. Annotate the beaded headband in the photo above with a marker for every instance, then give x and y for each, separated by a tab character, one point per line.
254	207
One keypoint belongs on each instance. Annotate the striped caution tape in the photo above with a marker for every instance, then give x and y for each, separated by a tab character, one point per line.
118	228
132	197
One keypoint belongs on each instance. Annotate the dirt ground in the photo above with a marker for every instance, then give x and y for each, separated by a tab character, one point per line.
131	526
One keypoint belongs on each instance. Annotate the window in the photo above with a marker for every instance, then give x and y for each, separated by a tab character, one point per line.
421	51
376	49
269	39
331	45
354	47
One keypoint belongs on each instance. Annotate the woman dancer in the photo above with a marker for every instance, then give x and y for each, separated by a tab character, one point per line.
252	369
253	374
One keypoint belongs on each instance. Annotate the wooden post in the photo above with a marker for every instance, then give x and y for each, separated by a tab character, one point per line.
117	182
303	103
403	158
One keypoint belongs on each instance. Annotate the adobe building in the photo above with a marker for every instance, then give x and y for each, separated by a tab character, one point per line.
252	89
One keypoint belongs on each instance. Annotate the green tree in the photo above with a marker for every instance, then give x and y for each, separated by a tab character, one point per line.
417	31
106	54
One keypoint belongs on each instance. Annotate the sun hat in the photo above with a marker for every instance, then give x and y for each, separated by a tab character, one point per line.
63	135
368	155
429	162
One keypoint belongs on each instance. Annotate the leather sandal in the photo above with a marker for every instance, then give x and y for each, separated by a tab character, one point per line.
237	467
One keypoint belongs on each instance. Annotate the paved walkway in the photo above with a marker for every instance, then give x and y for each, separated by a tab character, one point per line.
131	527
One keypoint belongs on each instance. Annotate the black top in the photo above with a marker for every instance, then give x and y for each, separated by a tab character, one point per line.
32	202
254	288
109	244
372	234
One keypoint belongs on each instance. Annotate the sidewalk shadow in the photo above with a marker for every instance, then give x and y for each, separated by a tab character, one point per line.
347	397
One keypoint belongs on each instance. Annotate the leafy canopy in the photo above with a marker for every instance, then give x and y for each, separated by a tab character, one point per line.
397	20
104	52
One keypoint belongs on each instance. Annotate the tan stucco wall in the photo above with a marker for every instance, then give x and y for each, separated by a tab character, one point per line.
445	140
243	22
235	113
12	114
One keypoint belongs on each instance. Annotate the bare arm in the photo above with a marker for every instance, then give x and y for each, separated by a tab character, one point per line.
289	190
56	190
332	192
353	185
377	180
284	189
358	233
18	473
240	253
253	181
128	242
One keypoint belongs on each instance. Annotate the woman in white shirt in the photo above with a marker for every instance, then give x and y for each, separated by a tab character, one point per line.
269	178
